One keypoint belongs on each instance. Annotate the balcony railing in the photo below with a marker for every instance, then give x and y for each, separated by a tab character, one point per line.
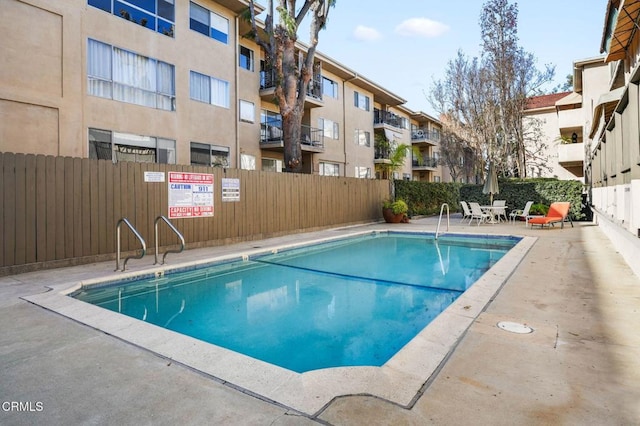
420	134
271	134
431	162
381	153
386	117
569	153
314	90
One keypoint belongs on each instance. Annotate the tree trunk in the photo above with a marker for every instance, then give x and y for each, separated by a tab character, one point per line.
291	105
291	127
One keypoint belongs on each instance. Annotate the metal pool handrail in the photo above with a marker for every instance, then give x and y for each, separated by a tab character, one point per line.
138	236
440	218
175	230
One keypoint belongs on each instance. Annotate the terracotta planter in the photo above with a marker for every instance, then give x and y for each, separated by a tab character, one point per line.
390	217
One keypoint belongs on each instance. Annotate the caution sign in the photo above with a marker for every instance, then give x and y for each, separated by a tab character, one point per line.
190	195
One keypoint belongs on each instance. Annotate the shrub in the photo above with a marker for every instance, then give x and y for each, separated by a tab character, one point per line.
538	209
425	198
397	207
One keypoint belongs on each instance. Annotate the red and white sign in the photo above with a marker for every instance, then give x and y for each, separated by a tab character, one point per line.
190	195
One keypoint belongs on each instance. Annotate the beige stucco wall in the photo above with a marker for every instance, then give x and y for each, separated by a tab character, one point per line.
45	108
356	118
551	137
39	78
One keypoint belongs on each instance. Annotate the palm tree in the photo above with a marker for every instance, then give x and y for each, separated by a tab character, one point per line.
391	156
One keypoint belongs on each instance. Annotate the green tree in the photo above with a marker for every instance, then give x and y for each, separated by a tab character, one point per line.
293	70
393	156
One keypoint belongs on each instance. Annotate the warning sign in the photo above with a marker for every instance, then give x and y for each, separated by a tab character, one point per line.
190	195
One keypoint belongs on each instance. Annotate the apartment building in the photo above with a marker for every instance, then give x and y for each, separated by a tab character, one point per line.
612	161
175	82
541	123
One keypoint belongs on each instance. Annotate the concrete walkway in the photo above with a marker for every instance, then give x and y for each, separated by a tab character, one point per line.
580	366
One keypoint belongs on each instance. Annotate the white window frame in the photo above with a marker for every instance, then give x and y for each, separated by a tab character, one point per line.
247	111
271	165
330	128
334	87
362	137
361	101
218	25
217	93
247	162
125	76
363	172
329	169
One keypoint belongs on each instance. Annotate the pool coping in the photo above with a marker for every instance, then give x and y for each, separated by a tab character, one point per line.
399	380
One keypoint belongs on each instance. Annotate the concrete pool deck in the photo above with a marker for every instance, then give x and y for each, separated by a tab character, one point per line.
581	365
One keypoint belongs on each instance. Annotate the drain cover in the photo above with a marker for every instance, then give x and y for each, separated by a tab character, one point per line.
514	327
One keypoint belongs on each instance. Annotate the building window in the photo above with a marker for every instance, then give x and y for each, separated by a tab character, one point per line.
271	165
208	23
246	58
209	90
157	15
329	169
330	128
329	88
436	178
362	137
270	126
361	101
118	74
247	111
406	176
363	172
247	162
203	154
114	146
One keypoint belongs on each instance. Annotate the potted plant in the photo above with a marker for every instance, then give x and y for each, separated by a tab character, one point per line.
395	211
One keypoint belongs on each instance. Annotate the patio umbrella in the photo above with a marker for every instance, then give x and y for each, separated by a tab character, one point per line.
491	183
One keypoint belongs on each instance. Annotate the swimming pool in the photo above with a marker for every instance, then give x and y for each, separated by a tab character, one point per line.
348	302
398	380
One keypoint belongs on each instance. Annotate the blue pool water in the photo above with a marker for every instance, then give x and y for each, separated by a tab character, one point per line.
350	302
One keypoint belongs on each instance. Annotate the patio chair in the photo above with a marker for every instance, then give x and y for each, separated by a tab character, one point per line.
522	214
500	209
478	214
558	212
466	213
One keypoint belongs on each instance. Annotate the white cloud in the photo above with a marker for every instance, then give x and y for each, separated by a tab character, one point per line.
421	27
363	33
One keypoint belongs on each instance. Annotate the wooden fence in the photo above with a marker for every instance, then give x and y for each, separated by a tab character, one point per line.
60	211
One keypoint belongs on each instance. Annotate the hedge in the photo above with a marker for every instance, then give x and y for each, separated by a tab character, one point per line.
425	198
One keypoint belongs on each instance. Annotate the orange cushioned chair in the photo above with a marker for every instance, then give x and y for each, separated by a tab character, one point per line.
558	212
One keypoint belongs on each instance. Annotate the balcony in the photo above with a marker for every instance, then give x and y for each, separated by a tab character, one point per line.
571	118
381	155
428	163
271	138
571	156
426	136
382	118
314	90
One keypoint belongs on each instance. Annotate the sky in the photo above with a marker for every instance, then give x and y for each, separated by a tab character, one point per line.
405	45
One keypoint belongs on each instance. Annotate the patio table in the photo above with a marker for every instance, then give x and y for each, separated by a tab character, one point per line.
491	211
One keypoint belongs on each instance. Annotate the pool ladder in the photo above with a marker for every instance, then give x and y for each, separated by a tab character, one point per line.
440	218
143	243
138	236
175	230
